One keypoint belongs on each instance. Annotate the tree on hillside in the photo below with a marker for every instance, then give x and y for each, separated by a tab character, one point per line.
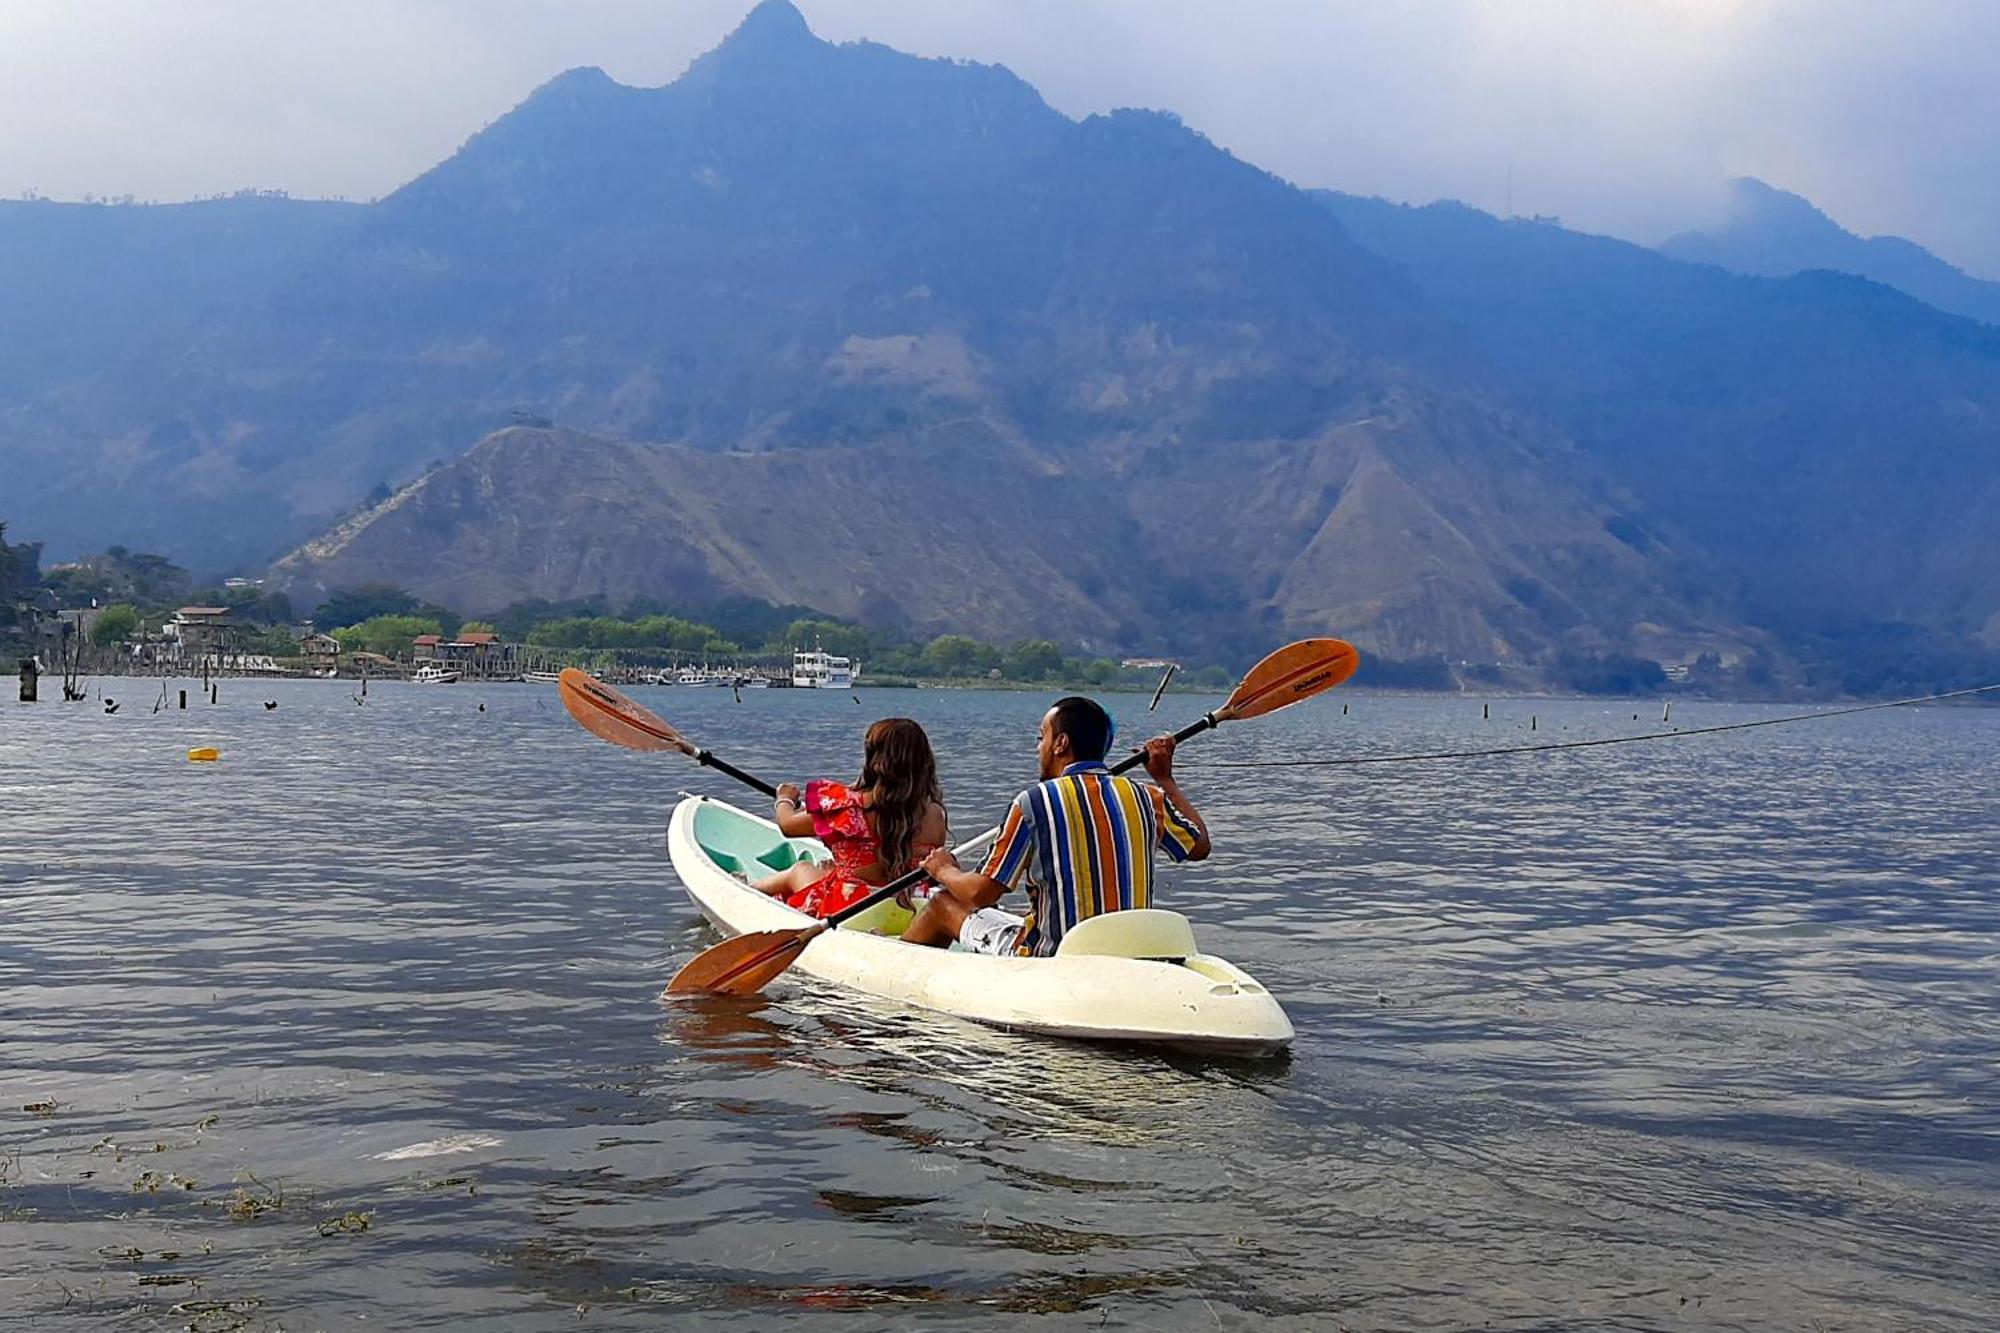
253	604
19	567
836	638
392	636
958	655
19	575
476	627
115	624
149	581
352	606
1033	659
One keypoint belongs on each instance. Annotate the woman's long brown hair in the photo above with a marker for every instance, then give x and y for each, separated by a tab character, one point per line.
899	773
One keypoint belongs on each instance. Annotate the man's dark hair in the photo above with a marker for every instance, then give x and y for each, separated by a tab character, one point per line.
1086	724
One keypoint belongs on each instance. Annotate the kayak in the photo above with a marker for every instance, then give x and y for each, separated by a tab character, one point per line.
1127	977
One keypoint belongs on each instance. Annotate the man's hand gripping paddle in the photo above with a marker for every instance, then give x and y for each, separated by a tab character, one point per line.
742	965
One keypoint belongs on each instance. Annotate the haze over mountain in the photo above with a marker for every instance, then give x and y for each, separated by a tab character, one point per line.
1776	234
888	336
1834	440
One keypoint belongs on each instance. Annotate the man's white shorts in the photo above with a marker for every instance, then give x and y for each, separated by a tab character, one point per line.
990	930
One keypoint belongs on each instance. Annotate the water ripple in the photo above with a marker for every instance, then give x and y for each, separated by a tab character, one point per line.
360	1025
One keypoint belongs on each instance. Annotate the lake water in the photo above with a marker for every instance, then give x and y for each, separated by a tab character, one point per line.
359	1028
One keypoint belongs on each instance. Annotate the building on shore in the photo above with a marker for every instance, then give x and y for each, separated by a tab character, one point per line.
479	655
195	633
321	651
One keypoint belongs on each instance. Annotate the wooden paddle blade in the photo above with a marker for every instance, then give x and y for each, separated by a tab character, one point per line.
1296	671
743	965
606	712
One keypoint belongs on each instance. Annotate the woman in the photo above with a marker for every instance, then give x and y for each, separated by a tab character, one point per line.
877	829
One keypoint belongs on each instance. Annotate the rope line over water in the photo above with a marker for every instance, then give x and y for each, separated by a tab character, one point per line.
1674	735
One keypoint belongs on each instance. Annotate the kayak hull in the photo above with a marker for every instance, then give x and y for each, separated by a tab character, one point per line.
1197	1003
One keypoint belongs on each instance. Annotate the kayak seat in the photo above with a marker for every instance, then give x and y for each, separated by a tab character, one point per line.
1146	932
887	917
743	847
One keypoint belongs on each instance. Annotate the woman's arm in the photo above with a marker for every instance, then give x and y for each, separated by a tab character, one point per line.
790	812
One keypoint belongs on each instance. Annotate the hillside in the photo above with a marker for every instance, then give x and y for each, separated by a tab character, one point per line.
1383	526
1834	441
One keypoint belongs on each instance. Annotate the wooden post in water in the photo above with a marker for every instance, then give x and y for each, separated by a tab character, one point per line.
1667	716
214	692
1486	712
184	700
31	674
1533	722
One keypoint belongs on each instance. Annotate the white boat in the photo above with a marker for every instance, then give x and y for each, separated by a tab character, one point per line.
541	677
435	675
1136	977
817	670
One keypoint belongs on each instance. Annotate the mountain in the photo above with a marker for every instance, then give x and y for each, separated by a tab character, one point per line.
837	326
1775	234
1834	441
1144	392
1402	525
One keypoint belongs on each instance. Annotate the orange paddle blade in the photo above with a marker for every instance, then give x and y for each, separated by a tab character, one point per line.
1296	671
742	966
605	712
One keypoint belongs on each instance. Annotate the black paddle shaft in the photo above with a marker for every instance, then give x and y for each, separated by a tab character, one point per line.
707	760
901	882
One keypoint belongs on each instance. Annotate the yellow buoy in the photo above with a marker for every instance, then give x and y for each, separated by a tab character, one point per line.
207	754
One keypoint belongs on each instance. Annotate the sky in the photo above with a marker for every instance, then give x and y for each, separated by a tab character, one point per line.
1619	116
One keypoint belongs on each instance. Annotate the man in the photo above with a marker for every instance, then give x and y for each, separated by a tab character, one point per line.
1082	840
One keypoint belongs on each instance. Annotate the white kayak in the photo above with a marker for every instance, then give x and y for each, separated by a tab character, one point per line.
1124	977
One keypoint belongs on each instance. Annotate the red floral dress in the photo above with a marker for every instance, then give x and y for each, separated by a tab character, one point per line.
838	821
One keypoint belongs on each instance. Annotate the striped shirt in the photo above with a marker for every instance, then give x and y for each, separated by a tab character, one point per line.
1084	842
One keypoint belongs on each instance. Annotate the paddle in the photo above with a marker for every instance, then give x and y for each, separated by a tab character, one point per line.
606	712
742	965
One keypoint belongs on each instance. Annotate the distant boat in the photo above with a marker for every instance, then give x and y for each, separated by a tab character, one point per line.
817	670
541	677
435	675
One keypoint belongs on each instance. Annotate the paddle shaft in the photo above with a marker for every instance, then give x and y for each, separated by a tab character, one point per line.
986	839
707	760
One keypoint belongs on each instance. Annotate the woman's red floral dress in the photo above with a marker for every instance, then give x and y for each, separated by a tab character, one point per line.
838	821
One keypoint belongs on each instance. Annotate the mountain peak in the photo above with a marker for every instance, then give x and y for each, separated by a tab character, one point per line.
772	24
1774	233
1756	203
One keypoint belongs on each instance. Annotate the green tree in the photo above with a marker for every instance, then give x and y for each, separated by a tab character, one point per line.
476	627
1098	671
392	636
352	606
115	624
958	655
1032	659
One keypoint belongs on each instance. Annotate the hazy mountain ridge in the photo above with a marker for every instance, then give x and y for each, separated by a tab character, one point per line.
1835	440
1773	233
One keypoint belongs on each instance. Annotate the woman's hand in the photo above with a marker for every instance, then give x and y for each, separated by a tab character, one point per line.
788	794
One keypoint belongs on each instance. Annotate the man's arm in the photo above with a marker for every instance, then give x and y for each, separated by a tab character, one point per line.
1160	767
972	889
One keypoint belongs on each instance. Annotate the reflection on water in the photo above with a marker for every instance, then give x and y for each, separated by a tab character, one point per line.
360	1027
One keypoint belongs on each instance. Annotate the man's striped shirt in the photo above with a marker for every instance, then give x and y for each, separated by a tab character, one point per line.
1084	843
